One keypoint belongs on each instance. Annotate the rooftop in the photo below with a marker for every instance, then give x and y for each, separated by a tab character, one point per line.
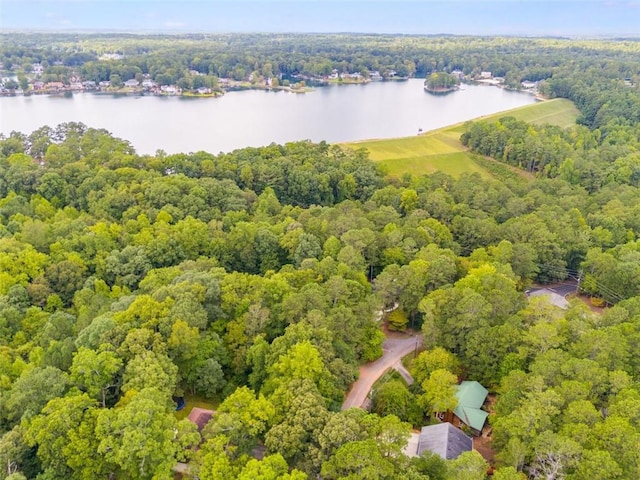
471	395
200	416
445	440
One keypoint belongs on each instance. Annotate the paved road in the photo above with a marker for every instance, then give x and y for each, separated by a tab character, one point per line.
563	289
394	349
556	292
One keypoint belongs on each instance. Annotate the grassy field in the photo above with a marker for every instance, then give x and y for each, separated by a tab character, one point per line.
194	401
441	149
559	112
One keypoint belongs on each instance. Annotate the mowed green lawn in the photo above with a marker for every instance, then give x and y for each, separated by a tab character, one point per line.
559	111
194	401
441	149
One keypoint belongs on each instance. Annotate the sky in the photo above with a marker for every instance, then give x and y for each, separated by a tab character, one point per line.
582	18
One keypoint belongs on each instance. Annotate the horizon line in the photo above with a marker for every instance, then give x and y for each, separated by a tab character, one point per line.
88	31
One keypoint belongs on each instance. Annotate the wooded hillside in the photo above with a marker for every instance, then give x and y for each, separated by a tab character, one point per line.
252	280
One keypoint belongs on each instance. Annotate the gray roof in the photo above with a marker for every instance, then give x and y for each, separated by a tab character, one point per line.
445	440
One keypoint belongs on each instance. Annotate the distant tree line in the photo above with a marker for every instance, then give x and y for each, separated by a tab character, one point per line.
173	59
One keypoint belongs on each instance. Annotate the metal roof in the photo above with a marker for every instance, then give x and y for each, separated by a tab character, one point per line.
471	395
445	440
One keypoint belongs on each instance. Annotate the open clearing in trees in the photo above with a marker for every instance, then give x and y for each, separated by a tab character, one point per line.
441	149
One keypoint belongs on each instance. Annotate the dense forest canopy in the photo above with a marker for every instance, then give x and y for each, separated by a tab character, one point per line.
252	279
170	58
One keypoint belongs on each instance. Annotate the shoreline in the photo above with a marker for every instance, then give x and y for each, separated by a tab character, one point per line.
237	87
441	90
446	127
241	86
142	93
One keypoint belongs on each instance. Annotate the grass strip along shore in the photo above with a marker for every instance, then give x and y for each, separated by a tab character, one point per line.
441	150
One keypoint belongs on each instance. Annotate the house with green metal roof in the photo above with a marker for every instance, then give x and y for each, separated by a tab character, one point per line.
471	396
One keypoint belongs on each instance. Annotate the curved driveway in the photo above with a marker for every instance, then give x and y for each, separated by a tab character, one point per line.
394	349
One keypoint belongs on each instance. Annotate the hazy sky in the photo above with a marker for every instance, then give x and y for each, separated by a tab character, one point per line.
510	17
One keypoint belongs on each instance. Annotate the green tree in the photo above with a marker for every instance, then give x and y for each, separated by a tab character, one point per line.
430	360
150	370
242	418
302	362
342	427
308	247
596	464
508	473
296	435
272	467
15	453
115	80
432	465
398	320
358	460
213	462
393	398
65	278
95	372
468	466
33	390
138	435
64	434
208	377
439	392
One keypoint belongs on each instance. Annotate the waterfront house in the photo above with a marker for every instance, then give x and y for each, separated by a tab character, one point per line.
131	83
170	89
55	86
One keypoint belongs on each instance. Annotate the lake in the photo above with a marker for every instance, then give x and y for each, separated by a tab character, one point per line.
336	113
